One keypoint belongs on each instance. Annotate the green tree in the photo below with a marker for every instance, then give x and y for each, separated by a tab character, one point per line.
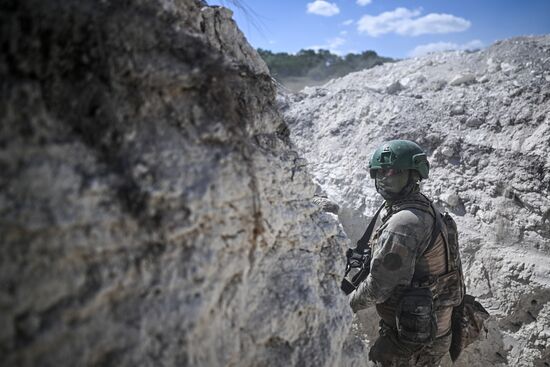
318	65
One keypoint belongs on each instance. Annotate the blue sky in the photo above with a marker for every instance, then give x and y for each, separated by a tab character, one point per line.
395	28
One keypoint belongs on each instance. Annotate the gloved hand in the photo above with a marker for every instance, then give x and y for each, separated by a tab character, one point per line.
357	269
357	299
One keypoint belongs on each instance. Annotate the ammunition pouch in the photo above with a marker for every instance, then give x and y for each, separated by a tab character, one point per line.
467	323
448	290
415	317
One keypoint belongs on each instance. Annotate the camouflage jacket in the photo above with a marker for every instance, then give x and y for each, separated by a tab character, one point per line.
404	254
398	243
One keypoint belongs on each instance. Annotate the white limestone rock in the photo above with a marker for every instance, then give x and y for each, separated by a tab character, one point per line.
457	109
507	68
223	34
447	151
451	198
465	78
484	78
153	211
474	121
491	173
394	88
492	65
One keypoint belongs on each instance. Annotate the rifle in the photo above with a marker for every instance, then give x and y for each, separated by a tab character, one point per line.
357	268
358	259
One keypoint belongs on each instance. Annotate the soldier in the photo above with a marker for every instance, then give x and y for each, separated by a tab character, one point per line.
415	275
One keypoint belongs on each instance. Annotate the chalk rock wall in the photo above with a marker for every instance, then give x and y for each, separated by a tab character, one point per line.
484	120
152	211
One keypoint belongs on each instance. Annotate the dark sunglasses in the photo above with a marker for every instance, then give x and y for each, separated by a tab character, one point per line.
388	172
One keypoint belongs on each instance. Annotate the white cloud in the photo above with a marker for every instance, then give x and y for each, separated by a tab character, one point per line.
444	46
385	22
332	44
343	33
347	22
436	23
363	2
324	8
336	42
407	22
473	45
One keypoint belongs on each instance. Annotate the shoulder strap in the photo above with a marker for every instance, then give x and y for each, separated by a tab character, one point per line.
423	205
363	242
438	228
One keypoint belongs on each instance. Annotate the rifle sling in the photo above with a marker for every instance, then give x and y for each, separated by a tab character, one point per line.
363	242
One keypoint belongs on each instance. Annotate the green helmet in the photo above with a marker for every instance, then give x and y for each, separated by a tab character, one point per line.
399	154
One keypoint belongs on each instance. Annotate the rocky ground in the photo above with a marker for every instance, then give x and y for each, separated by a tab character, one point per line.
484	120
156	208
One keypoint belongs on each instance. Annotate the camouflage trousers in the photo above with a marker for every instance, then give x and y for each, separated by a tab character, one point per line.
389	351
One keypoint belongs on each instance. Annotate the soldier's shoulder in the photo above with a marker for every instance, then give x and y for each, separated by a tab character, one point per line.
410	217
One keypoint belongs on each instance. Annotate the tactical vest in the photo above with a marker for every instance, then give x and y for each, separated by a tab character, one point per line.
438	268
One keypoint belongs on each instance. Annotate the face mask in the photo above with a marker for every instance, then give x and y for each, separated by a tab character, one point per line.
390	182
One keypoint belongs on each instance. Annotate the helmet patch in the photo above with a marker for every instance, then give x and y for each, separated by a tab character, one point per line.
387	157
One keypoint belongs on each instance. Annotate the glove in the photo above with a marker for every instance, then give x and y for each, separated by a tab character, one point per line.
357	269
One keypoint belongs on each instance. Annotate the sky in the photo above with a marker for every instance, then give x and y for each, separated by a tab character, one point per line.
393	28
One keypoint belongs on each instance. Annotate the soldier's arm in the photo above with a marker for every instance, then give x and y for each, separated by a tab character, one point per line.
394	260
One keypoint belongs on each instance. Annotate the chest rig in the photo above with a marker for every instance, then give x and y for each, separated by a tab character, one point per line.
412	309
448	288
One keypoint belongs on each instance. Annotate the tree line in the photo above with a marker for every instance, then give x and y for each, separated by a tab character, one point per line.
320	64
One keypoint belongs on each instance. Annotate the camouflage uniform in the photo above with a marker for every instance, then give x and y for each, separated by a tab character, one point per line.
403	254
